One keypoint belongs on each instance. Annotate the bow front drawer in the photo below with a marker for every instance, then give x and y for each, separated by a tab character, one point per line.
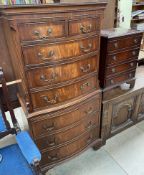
45	76
43	30
70	134
58	154
84	25
54	123
50	53
59	95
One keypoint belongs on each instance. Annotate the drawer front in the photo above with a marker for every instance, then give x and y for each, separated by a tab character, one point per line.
124	43
64	120
50	53
57	74
120	78
84	25
42	30
70	134
121	68
59	95
70	149
122	56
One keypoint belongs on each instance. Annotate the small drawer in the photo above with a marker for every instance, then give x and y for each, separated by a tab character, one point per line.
84	25
122	56
56	155
46	124
110	71
68	135
51	53
50	75
42	30
52	97
123	43
120	78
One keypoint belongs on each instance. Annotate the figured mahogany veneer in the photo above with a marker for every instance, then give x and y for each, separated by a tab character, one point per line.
119	54
54	50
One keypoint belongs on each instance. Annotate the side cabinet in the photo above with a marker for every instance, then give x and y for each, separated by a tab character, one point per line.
140	114
120	113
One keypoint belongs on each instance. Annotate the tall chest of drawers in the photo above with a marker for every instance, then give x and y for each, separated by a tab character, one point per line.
119	55
55	52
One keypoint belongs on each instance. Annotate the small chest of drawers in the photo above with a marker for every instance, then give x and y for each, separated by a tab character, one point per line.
118	56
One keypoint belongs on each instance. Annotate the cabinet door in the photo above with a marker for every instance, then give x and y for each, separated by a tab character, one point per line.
122	115
140	115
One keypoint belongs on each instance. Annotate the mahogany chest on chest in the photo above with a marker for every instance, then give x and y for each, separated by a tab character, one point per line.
54	49
118	56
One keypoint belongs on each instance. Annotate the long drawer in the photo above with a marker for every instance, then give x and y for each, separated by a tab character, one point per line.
123	56
92	120
120	78
47	98
53	52
56	122
56	155
50	75
111	71
126	42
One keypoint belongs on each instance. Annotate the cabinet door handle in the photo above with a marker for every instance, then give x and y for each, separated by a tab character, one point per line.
86	50
51	53
83	86
85	29
51	143
39	36
85	69
48	128
53	101
89	111
54	76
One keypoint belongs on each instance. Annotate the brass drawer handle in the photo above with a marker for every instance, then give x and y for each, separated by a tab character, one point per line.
51	143
89	125
130	75
49	56
85	69
85	29
54	76
53	158
48	128
37	34
116	45
112	81
135	41
113	70
134	53
90	110
131	64
114	58
46	99
83	86
86	50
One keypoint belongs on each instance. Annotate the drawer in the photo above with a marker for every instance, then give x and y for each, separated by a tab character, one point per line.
53	123
110	71
48	98
123	43
68	135
42	30
122	56
84	25
51	53
56	155
120	78
50	75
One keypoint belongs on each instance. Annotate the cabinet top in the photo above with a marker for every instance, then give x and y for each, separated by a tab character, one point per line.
118	32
